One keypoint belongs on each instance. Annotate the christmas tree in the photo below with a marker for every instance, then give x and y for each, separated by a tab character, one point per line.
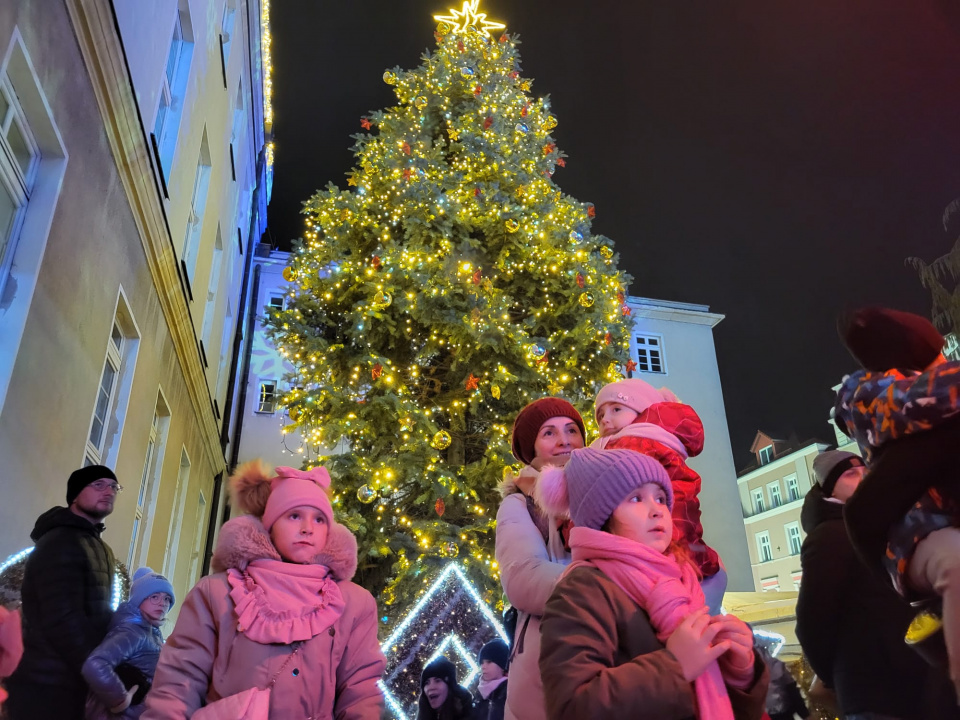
448	286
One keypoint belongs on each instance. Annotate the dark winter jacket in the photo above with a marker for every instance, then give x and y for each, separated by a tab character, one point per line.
600	658
130	640
492	708
458	706
66	592
851	624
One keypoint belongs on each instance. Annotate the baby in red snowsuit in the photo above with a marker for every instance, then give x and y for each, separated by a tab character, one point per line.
633	415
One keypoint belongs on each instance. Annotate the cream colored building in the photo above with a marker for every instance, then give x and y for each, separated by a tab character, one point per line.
771	496
134	178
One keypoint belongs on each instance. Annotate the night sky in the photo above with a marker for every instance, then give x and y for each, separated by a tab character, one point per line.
775	161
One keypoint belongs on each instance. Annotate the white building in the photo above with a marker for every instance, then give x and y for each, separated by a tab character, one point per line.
672	344
134	178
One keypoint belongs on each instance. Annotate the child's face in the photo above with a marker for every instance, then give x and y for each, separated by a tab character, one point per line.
613	417
490	671
436	691
155	608
557	436
644	517
300	534
848	483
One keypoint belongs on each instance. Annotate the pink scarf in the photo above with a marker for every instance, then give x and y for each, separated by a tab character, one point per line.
667	591
279	602
486	687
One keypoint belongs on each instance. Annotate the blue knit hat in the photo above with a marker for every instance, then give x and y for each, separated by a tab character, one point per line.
145	583
594	482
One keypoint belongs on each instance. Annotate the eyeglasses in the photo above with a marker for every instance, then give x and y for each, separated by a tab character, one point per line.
101	485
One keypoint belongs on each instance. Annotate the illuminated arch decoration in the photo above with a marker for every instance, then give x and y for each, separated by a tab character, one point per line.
449	619
11	578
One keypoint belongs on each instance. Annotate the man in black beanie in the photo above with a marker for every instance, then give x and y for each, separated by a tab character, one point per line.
67	592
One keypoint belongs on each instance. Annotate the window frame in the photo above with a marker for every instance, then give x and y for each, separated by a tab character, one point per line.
113	360
764	548
167	82
757	500
773	490
798	538
765	454
646	362
274	398
793	487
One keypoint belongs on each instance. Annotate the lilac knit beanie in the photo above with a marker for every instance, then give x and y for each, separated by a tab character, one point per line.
594	482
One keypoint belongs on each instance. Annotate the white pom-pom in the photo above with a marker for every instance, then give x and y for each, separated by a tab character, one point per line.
550	491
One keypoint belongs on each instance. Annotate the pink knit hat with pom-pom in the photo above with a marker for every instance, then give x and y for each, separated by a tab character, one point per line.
293	488
634	393
255	492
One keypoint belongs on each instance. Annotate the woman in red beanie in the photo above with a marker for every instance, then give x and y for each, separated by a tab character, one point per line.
531	552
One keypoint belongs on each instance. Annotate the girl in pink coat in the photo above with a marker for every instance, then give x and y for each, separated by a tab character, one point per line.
279	631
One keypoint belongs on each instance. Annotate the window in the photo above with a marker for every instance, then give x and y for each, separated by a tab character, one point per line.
173	87
276	302
763	547
198	204
757	494
176	518
796	576
226	348
770	584
149	484
19	160
773	489
650	354
766	454
267	402
793	538
793	488
200	523
213	291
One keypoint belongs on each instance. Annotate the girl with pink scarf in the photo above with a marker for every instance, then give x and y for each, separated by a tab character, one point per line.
626	631
279	631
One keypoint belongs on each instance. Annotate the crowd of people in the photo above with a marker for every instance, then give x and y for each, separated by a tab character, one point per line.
601	552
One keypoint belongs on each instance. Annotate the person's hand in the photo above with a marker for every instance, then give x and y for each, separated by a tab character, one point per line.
736	664
692	644
127	699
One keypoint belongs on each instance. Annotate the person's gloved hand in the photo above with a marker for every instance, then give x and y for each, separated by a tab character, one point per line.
692	644
127	699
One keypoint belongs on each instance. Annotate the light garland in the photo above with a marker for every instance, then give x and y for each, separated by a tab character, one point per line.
15	558
266	46
403	647
118	588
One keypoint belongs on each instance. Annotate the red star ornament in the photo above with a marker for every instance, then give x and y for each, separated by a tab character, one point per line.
476	192
526	109
630	366
563	163
476	277
477	90
625	310
472	382
460	46
365	123
580	280
440	506
375	262
377	371
607	339
407	174
487	122
504	38
591	211
406	148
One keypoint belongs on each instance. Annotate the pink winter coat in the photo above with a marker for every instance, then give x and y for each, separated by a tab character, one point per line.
205	658
529	569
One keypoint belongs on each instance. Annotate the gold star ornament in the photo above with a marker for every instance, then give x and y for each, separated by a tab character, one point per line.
469	17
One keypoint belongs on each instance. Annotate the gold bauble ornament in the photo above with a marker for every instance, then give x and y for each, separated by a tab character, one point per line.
382	300
613	369
450	549
442	440
390	77
586	299
495	391
366	494
420	102
606	252
345	214
443	28
293	413
549	123
288	274
406	424
512	225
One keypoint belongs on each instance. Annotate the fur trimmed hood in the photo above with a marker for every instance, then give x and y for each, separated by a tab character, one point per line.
244	539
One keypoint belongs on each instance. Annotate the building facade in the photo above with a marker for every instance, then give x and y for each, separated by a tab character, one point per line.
134	178
771	497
